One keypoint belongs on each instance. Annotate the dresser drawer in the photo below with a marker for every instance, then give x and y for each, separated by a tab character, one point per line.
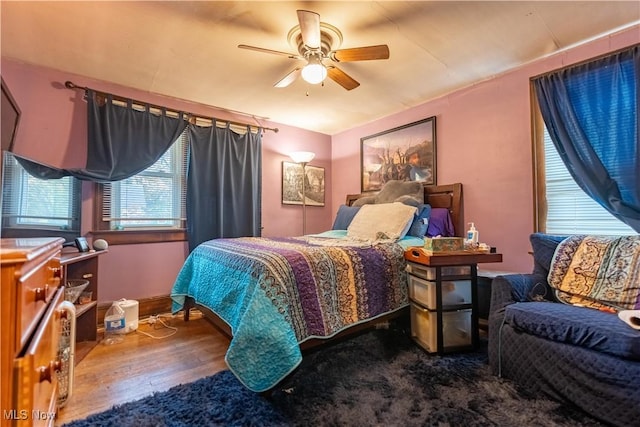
35	369
35	290
456	292
456	328
429	273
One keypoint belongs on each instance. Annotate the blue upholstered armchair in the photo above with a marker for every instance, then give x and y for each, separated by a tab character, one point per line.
582	356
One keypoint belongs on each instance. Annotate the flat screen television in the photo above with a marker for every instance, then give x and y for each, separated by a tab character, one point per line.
10	113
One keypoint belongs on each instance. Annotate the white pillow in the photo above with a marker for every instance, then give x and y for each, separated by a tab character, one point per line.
381	222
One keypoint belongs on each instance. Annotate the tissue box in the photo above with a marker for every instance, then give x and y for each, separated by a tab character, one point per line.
444	244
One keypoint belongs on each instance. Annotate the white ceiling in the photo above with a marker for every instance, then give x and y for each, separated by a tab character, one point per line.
188	50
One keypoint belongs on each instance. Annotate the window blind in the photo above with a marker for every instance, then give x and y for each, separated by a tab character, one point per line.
571	210
30	202
154	198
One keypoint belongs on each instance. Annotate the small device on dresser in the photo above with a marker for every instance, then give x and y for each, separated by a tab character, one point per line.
80	243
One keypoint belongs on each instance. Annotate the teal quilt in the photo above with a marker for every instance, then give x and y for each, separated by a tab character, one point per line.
275	293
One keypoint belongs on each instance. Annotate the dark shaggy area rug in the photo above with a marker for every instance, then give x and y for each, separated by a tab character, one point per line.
379	378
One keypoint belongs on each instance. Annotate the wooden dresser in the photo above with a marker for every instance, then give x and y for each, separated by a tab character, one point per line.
30	330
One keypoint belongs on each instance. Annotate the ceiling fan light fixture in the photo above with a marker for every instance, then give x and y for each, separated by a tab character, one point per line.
314	72
318	43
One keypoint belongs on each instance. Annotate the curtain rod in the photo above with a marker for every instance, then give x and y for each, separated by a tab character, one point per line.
586	61
70	85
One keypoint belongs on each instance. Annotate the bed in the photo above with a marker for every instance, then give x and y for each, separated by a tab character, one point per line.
275	297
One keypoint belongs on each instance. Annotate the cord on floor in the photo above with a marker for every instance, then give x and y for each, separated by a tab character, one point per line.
156	320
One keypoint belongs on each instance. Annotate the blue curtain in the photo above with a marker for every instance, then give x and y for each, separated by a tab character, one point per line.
121	141
39	170
223	184
224	174
591	113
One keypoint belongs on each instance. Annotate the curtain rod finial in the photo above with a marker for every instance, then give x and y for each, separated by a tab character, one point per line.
69	85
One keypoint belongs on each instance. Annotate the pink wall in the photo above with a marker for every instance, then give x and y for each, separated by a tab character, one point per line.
53	130
484	142
286	220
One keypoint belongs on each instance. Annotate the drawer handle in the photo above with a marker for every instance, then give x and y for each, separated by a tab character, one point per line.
87	276
55	277
41	293
422	309
64	314
57	272
46	372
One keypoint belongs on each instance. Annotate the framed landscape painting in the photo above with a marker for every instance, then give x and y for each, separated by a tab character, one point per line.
292	184
406	153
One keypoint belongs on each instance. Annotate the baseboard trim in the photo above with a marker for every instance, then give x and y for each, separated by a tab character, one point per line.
146	307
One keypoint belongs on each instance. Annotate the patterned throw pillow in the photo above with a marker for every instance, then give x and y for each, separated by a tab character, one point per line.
597	271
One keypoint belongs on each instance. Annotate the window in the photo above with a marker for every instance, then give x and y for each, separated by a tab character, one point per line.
33	207
569	210
151	203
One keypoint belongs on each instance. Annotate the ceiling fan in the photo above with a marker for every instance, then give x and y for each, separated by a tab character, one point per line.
316	42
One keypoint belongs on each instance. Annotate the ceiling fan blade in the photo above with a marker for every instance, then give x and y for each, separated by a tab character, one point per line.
360	53
342	78
274	52
289	78
309	28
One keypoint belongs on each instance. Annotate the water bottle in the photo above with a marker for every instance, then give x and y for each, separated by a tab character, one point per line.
114	322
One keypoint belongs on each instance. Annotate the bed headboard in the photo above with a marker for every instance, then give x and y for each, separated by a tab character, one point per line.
438	196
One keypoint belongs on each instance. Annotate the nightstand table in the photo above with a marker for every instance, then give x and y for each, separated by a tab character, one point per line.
84	265
443	292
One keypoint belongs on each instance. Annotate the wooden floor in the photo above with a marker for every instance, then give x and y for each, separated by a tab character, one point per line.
140	365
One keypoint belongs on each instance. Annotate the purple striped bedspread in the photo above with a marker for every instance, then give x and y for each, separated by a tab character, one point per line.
278	292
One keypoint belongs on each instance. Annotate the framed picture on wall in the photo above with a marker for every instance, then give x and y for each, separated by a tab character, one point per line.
404	153
292	175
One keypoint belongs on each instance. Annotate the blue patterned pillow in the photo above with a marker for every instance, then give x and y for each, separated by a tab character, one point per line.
420	221
344	217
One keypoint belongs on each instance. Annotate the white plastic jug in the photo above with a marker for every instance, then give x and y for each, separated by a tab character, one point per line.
114	323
